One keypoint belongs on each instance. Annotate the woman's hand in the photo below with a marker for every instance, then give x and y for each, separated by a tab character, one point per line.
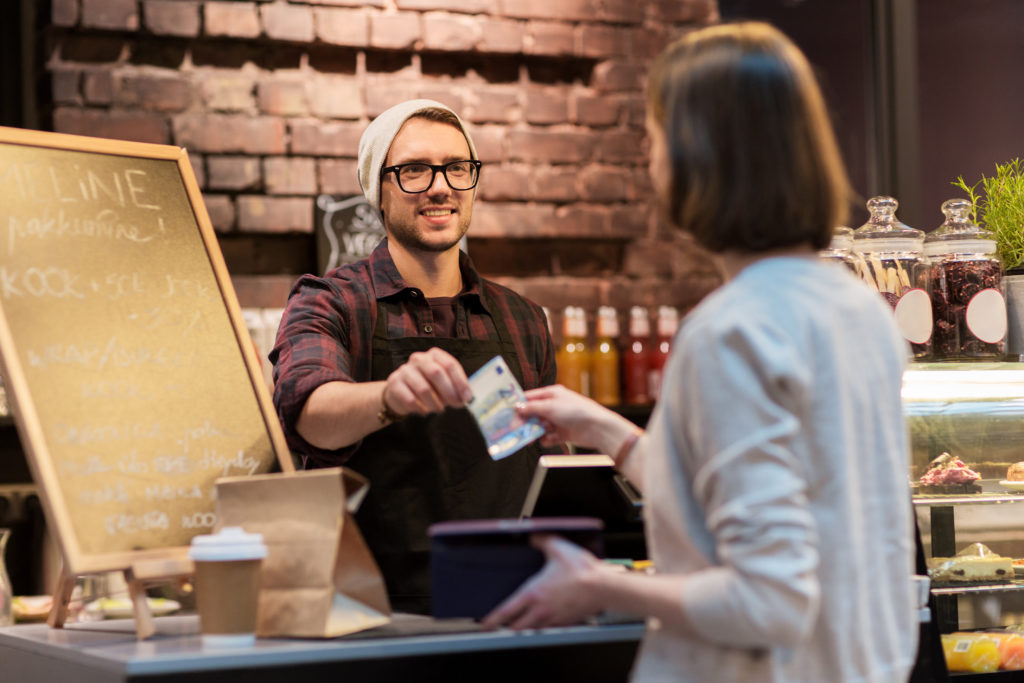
568	416
558	595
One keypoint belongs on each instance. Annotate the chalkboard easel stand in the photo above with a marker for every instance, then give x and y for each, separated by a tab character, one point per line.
137	577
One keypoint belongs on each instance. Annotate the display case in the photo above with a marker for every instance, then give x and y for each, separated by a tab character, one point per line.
975	413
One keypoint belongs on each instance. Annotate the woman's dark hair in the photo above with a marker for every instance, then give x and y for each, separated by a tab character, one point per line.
754	161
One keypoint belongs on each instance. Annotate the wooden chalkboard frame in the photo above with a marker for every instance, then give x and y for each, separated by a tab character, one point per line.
150	562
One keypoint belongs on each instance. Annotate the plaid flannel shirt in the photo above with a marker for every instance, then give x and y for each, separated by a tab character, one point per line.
327	328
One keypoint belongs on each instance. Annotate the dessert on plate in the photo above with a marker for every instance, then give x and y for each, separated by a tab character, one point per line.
950	475
975	563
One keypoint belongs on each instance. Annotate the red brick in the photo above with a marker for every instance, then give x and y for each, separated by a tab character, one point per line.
555	184
547	106
642	186
505	182
263	291
153	92
221	210
510	219
548	38
233	172
287	22
618	146
675	11
568	10
350	3
450	32
275	214
282	97
447	94
625	11
493	105
490	142
337	97
341	26
289	175
98	87
636	111
64	13
394	31
332	138
618	76
198	164
500	35
118	125
223	133
172	17
580	220
66	86
113	15
597	111
467	6
601	40
634	219
338	176
231	19
550	146
385	92
605	184
230	92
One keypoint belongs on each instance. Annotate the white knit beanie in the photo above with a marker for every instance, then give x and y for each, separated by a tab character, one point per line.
377	139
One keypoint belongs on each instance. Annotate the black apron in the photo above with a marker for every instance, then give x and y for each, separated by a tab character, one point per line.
426	469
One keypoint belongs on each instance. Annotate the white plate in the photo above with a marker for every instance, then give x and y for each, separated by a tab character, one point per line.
1012	485
121	608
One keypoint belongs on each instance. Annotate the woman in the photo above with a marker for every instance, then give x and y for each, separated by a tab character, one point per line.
774	465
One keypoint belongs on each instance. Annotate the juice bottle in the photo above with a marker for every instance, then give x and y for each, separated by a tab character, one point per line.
604	361
668	321
573	359
636	360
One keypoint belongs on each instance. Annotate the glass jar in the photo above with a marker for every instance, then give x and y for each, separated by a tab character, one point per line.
838	250
966	288
888	256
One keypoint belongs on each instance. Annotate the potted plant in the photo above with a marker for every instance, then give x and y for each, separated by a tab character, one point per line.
999	206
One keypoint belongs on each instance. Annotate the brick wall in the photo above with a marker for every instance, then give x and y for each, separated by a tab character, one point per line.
270	98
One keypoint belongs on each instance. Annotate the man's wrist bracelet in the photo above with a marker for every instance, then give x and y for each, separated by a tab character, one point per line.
386	415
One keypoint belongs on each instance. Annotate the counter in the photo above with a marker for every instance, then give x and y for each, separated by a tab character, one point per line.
411	648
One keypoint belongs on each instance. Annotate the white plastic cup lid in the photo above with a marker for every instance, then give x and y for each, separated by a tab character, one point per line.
231	543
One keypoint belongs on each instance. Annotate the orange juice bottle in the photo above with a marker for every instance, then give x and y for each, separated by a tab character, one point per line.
573	359
668	321
604	361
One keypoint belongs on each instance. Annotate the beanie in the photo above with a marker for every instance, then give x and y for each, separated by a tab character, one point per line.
377	139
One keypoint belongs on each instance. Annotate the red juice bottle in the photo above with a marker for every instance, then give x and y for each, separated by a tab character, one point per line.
636	361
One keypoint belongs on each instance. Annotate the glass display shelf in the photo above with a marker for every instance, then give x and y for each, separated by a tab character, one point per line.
985	498
946	589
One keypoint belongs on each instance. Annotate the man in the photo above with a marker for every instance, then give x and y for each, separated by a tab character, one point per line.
371	361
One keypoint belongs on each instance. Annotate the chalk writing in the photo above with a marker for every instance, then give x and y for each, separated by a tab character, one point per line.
133	524
105	225
168	492
93	465
39	282
172	464
93	434
106	494
41	183
198	519
212	460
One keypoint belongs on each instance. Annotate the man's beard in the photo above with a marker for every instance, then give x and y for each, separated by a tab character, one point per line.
407	236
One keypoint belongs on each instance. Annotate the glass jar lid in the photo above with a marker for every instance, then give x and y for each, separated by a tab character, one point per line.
842	239
958	234
884	231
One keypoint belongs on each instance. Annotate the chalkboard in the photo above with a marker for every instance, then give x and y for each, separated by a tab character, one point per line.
347	229
131	375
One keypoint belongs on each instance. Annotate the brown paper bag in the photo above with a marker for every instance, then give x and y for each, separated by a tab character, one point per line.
319	579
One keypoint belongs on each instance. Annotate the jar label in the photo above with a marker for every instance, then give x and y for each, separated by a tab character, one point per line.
986	316
914	316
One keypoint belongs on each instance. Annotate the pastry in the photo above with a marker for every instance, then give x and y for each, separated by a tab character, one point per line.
948	474
1016	472
975	563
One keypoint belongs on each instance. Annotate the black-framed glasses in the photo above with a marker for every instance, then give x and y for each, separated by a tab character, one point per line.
419	177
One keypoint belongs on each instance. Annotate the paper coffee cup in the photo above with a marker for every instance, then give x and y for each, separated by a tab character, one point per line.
227	585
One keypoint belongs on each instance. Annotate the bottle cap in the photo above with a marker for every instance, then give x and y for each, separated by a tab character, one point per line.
607	322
